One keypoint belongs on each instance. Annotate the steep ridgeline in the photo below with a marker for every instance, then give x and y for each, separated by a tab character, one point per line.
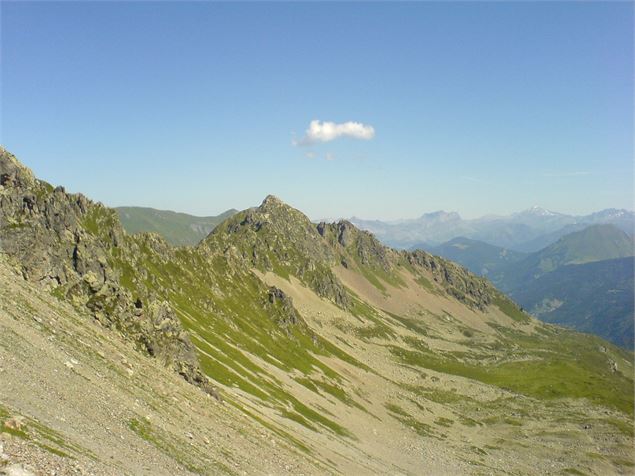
278	238
357	357
78	250
275	237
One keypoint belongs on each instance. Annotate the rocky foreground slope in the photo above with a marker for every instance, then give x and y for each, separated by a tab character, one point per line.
280	346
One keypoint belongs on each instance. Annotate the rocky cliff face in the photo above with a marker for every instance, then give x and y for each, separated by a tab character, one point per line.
276	237
457	281
360	245
69	245
360	248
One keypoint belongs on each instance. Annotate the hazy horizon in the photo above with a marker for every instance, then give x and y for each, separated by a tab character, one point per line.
223	208
380	111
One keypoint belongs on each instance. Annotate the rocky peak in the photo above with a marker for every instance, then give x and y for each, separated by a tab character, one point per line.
440	216
537	211
77	249
277	237
12	172
275	211
271	201
457	281
343	231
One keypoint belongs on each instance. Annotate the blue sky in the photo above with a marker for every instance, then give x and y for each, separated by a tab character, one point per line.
199	107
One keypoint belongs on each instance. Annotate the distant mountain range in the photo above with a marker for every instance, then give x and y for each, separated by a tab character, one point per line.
526	231
594	243
177	228
584	280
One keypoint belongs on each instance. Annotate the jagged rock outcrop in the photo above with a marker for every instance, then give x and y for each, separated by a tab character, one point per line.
361	245
276	237
456	280
68	244
364	249
278	299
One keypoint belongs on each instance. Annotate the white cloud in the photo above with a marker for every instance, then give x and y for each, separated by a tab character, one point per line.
329	156
319	131
310	155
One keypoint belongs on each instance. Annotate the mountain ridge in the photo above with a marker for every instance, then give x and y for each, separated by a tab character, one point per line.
594	243
524	231
316	333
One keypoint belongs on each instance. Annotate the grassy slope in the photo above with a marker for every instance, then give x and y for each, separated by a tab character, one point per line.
177	228
560	284
595	243
593	297
235	317
224	307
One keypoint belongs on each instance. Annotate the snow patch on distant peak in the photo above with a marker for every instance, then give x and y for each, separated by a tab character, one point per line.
539	211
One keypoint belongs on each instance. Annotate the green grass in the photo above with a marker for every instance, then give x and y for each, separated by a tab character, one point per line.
295	416
230	329
625	427
623	462
422	429
316	417
566	368
573	471
281	433
334	390
15	432
412	324
99	220
467	421
425	283
510	309
167	445
378	277
441	421
436	394
42	436
367	314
